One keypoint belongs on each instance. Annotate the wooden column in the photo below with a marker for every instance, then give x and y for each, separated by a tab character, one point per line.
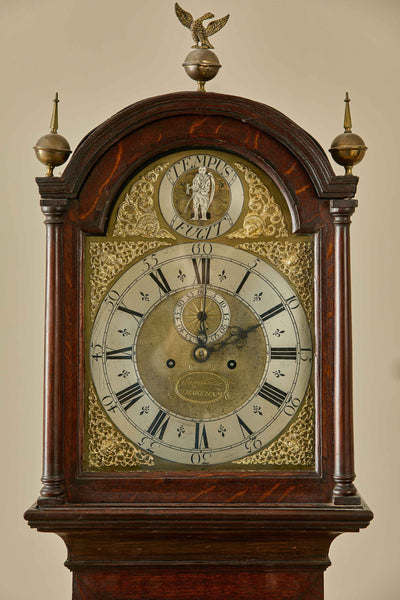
344	491
52	491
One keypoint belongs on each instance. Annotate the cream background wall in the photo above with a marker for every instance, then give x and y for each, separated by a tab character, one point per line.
299	56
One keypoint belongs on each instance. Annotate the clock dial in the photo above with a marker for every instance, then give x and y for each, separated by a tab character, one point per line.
201	195
201	353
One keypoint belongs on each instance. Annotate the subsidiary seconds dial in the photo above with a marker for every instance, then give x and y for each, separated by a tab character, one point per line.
201	353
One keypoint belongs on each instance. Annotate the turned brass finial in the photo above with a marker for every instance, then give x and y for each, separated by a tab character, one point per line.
54	116
348	148
52	149
201	64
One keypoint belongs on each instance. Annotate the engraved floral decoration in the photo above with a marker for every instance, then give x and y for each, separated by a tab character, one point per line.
136	215
295	447
106	446
293	259
107	260
265	217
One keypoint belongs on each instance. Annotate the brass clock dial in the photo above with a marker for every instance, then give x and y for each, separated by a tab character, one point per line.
201	353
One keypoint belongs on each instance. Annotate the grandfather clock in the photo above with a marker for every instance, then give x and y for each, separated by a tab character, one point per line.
198	377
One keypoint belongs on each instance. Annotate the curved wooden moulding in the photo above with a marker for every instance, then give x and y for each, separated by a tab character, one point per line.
205	119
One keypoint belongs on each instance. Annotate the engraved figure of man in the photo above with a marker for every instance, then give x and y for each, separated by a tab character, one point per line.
203	189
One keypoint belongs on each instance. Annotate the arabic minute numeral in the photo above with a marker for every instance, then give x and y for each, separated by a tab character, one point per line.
97	352
150	262
306	357
291	406
200	458
199	248
293	302
109	404
253	444
111	298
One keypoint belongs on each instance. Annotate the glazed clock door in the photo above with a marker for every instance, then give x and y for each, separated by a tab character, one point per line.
201	352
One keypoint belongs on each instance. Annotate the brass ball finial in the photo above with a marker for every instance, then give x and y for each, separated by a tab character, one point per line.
52	149
348	148
201	64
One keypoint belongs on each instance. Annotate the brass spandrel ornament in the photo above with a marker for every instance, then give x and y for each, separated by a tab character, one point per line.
108	258
295	447
106	447
201	64
264	216
136	215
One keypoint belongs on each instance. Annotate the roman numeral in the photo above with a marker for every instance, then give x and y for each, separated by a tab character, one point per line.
203	275
241	284
160	280
134	313
284	353
130	395
292	303
272	394
272	312
245	428
120	354
200	437
159	425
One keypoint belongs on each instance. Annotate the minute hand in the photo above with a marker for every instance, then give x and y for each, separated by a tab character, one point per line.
237	336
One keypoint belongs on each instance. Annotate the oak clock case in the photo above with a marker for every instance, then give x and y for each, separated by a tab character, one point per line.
197	401
201	352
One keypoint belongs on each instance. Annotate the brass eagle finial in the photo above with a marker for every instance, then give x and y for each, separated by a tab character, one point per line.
200	33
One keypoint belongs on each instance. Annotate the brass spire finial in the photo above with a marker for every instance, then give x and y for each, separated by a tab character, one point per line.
52	149
201	64
348	148
347	116
54	116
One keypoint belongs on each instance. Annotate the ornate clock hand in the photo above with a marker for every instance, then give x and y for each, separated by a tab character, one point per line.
237	336
202	316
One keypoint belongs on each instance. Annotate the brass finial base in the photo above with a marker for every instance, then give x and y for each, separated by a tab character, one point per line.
52	149
348	148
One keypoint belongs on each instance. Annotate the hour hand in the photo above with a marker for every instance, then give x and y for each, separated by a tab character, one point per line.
202	333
